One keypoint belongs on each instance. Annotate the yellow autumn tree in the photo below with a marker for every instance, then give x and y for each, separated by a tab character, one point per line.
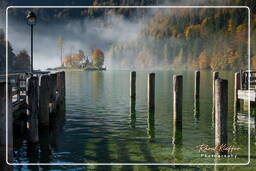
98	57
204	62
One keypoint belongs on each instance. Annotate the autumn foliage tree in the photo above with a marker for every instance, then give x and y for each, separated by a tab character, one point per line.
204	62
98	57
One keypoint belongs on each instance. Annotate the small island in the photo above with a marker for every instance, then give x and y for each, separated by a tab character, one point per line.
78	61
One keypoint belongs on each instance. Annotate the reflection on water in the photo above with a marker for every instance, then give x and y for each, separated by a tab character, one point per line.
133	112
151	125
104	125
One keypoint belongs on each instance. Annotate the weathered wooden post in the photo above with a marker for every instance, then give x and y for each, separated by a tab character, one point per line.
133	85
177	114
63	85
151	91
58	88
151	105
44	99
133	98
177	100
52	90
236	88
221	111
196	93
3	117
197	85
32	110
215	76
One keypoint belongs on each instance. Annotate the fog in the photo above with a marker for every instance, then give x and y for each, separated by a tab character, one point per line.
84	34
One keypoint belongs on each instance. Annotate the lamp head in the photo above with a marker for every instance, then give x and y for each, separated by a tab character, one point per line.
31	18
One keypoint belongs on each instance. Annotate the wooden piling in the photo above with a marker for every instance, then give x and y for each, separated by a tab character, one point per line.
177	101
33	109
197	85
63	85
215	76
221	110
236	88
53	87
52	91
3	119
133	85
151	91
44	99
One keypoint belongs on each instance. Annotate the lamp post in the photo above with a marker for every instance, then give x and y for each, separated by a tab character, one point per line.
31	20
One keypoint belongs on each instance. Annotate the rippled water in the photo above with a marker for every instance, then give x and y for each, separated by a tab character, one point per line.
100	126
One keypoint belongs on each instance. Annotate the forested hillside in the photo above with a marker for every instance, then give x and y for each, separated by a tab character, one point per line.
190	38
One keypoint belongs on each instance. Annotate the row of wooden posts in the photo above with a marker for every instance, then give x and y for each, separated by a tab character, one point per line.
44	94
220	100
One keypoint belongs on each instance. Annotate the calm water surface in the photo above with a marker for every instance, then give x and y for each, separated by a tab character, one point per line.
101	127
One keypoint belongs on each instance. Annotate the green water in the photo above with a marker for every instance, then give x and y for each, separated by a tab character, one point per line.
101	127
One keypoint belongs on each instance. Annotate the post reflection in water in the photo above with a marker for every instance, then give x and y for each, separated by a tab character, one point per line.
196	108
132	112
151	125
177	142
48	139
97	84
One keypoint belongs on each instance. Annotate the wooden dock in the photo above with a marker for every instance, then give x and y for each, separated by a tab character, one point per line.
32	98
247	85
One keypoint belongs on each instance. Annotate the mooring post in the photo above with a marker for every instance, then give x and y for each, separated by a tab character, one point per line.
52	90
151	91
58	88
44	99
32	109
3	131
151	105
215	76
221	111
197	85
196	94
177	100
236	88
133	85
63	85
177	109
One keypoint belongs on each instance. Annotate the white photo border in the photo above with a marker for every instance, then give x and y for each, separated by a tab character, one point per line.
159	164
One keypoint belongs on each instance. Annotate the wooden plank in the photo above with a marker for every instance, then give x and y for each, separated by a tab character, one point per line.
245	95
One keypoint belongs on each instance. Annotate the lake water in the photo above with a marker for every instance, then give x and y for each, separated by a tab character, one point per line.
101	127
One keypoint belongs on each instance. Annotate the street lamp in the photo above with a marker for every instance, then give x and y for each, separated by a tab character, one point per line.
31	19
